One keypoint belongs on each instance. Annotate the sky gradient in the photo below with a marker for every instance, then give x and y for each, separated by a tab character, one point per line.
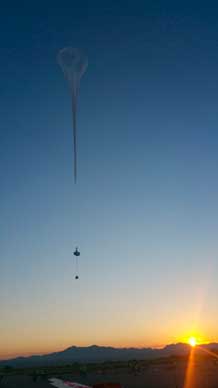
144	211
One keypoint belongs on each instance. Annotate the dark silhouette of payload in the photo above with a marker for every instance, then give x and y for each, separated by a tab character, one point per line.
76	252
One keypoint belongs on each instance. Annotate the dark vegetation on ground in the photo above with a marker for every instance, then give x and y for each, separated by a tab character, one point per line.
163	372
134	366
80	368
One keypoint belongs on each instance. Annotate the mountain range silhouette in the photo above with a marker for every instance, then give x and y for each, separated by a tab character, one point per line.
96	353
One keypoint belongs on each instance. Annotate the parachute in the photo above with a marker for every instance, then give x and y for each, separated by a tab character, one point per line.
73	64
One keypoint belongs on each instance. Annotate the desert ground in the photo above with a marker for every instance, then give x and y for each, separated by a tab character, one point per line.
171	374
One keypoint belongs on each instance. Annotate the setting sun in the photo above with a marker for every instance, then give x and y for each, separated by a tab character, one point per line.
192	341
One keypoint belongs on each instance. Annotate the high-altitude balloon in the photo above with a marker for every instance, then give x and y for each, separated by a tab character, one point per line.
74	64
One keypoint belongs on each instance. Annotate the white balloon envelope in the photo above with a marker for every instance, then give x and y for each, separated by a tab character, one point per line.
73	63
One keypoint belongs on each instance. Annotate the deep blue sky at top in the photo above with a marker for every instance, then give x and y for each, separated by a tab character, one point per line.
147	123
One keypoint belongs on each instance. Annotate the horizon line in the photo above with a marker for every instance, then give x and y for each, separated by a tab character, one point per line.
157	347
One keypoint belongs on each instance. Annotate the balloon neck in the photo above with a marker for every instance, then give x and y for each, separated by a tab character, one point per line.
74	86
74	93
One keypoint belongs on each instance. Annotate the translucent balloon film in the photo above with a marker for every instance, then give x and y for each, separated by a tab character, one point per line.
73	64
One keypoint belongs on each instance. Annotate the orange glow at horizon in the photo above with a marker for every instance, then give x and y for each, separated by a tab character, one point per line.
43	342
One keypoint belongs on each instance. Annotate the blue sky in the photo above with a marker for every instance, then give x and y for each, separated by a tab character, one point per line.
144	211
